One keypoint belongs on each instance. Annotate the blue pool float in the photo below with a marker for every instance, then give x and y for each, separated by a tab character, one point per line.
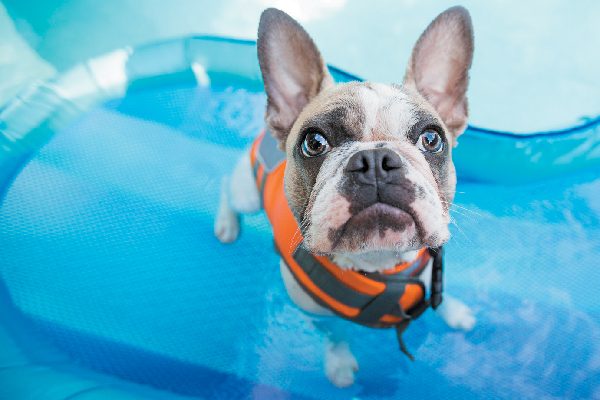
112	285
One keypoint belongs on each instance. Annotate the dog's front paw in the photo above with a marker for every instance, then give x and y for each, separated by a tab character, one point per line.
456	314
340	364
227	225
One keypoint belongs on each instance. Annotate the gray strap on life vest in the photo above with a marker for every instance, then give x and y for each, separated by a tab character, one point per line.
268	153
437	274
400	328
327	282
386	302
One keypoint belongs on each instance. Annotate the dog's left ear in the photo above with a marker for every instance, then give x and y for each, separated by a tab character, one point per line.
292	68
439	66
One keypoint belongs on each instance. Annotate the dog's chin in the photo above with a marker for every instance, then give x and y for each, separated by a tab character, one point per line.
378	227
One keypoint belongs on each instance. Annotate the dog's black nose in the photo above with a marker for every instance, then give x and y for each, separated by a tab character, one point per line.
373	166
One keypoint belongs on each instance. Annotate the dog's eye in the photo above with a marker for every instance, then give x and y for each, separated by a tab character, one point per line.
430	141
314	145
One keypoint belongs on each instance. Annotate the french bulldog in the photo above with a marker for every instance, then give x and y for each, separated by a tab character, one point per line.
368	173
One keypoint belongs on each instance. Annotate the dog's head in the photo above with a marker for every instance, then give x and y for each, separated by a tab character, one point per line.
369	166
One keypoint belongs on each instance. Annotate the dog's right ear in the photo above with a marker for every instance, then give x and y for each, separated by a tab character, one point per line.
292	69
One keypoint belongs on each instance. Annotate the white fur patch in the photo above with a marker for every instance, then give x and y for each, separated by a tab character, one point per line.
388	112
371	102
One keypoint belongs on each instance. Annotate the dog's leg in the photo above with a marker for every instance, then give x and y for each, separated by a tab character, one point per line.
238	195
340	363
456	314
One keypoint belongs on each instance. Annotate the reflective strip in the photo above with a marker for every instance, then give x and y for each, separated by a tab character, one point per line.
268	154
419	265
327	282
411	268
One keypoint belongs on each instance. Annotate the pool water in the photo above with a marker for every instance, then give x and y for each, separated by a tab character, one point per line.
108	252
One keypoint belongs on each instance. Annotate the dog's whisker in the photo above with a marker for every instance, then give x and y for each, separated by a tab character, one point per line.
466	209
461	210
293	239
458	212
461	231
462	214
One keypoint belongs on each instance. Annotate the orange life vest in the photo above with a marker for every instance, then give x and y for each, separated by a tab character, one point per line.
388	299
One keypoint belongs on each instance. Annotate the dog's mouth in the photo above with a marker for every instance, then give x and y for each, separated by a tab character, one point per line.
382	212
378	225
